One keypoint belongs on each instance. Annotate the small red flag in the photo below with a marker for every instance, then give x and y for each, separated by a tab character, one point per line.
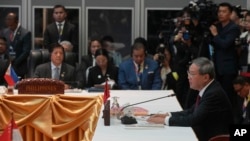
106	92
11	132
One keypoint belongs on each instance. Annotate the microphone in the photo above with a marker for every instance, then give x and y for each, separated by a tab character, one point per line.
130	120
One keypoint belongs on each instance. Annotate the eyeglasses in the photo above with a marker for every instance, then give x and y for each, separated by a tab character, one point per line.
191	74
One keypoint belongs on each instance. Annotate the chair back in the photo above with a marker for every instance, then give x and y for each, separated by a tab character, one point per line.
71	58
87	73
40	56
220	138
33	61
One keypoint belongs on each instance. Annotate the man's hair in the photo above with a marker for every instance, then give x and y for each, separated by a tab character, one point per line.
205	66
14	15
241	80
139	43
53	46
3	38
142	41
59	6
138	46
226	4
107	38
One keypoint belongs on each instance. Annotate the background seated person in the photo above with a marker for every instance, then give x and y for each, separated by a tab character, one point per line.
103	70
56	69
4	59
108	44
212	114
139	72
68	47
241	85
89	59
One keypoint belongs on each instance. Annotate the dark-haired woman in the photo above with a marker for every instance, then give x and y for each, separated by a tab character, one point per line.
103	70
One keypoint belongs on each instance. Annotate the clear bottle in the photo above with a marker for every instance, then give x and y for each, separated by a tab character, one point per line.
115	110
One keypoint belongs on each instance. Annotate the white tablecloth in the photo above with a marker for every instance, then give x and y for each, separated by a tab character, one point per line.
117	132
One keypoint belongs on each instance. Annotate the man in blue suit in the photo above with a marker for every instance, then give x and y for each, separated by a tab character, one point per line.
139	72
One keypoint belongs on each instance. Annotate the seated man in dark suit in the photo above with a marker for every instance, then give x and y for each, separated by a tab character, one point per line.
56	69
4	59
139	72
242	87
211	115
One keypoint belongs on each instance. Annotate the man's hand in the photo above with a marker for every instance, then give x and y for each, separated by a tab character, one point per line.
158	118
66	86
178	37
213	30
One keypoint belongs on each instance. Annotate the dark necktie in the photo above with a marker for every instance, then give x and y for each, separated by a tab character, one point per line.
197	101
11	36
60	29
139	68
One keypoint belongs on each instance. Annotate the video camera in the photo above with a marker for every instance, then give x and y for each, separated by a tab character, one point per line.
240	41
161	53
205	11
238	9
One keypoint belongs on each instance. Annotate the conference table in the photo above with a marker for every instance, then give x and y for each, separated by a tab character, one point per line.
77	116
60	117
119	132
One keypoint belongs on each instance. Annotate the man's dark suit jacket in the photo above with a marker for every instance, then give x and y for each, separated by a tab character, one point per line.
225	54
240	118
246	120
211	117
22	46
244	57
67	73
51	35
4	63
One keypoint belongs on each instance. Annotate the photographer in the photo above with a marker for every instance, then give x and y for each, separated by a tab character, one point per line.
164	58
186	50
238	17
244	46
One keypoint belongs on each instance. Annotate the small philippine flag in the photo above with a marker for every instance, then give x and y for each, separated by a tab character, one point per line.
10	76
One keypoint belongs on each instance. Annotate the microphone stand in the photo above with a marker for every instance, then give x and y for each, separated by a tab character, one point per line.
119	114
